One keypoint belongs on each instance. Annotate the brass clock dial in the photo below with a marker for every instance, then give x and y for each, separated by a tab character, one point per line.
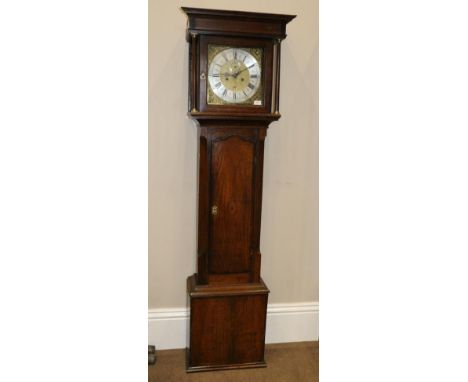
234	76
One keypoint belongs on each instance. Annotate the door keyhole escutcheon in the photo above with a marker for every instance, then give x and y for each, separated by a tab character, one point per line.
214	210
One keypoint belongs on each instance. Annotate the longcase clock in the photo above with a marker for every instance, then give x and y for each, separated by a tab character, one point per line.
234	82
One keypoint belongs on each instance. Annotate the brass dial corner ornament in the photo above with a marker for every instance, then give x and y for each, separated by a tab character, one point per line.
234	75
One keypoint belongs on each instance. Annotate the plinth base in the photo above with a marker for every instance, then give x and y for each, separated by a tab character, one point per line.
227	326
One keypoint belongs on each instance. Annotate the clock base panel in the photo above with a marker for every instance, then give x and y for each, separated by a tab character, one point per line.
227	326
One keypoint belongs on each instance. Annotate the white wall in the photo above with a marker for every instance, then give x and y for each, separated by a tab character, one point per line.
289	241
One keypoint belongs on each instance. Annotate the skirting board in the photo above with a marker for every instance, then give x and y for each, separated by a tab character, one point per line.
296	322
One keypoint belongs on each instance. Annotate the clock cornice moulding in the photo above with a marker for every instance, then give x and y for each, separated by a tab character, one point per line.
236	23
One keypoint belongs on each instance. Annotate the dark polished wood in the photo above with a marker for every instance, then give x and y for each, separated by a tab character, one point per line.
236	337
227	297
193	70
237	23
232	195
277	66
230	180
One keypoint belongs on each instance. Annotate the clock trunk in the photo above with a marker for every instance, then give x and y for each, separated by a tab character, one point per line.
230	197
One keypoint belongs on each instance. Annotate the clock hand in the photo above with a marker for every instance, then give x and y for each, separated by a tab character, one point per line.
228	74
240	71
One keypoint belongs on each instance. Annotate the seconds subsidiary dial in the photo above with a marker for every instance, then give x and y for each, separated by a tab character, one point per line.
234	76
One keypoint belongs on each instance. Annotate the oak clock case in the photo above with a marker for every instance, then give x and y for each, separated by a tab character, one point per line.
234	67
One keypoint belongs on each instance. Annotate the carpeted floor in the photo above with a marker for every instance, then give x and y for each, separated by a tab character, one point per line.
291	362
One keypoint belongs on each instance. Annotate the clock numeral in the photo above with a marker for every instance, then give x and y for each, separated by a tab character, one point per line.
217	85
235	55
251	86
217	75
224	92
253	75
243	60
235	95
250	66
243	91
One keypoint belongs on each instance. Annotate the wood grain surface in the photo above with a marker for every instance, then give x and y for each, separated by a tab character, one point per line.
232	171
